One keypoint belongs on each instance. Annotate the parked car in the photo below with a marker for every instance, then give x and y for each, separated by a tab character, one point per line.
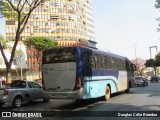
154	79
21	91
148	78
140	80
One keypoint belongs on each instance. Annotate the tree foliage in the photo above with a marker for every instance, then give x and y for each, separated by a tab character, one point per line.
39	43
153	62
4	8
3	42
140	64
17	11
157	5
150	63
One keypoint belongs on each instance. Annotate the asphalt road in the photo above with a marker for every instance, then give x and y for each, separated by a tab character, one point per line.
139	99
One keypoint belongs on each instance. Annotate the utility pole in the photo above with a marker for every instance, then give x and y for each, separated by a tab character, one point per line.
21	64
135	52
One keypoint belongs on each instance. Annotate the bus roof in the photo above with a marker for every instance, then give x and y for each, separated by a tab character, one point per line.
97	51
105	53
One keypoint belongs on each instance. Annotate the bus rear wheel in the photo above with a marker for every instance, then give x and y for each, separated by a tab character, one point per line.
127	90
107	93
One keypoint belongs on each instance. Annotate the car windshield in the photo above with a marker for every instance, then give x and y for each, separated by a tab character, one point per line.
138	78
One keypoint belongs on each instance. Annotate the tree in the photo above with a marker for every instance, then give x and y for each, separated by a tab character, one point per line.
37	45
3	42
157	5
140	64
16	12
154	62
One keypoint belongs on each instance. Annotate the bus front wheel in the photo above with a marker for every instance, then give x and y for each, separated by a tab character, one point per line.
107	93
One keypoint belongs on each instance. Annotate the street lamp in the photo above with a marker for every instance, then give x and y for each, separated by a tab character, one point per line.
135	56
135	50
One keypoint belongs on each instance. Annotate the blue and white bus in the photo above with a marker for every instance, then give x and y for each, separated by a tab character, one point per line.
85	73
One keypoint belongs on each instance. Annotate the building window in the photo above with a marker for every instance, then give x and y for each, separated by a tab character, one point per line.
10	22
1	61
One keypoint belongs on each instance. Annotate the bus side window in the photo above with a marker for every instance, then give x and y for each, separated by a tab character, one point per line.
96	58
102	62
120	65
99	62
107	62
92	60
112	63
123	65
117	64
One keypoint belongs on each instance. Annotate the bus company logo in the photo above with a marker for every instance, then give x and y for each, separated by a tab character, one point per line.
6	114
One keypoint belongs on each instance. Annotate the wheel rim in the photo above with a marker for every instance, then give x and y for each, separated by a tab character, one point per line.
18	102
107	96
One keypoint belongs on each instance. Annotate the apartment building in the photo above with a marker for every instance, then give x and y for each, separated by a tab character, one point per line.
68	22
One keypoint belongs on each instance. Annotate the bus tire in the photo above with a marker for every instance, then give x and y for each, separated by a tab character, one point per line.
127	90
1	104
107	93
45	100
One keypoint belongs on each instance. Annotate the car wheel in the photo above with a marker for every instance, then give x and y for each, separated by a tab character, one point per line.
45	100
107	93
17	102
1	104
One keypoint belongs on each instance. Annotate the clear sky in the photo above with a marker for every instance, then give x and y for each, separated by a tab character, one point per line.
2	26
123	26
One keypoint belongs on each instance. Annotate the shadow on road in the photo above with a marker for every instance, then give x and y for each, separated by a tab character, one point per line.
25	105
82	103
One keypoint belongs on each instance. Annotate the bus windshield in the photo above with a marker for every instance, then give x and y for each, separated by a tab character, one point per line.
59	55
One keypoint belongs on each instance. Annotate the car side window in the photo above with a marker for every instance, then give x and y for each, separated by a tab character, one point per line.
19	84
35	85
29	85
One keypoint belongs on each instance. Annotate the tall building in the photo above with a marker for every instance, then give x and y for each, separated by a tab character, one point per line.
90	24
68	22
